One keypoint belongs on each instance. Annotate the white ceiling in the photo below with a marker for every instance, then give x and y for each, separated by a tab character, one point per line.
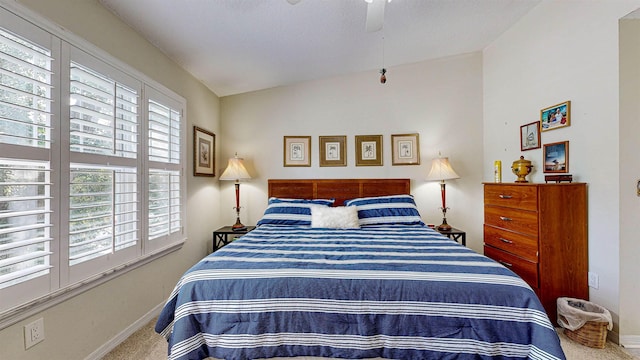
237	46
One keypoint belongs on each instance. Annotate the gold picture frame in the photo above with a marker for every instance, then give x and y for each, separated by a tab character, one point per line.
297	151
556	116
405	149
333	150
204	152
368	150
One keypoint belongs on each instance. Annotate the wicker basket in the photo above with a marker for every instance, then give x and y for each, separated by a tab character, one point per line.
592	334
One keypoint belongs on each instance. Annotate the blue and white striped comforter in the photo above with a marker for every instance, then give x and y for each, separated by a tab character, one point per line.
398	292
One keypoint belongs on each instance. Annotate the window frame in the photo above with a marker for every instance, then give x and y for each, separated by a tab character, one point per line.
62	284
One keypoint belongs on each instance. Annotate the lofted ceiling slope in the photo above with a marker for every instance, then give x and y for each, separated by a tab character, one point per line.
237	46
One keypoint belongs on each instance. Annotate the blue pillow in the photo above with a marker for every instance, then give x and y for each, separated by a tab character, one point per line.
291	211
386	210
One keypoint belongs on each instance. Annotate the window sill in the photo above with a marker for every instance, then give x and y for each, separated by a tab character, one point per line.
19	313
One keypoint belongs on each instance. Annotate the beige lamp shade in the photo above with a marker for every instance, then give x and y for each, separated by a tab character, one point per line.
235	170
441	170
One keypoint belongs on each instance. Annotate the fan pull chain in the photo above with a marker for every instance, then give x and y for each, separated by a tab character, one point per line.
383	71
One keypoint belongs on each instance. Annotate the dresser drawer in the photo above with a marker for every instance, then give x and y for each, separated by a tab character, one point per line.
525	222
515	243
513	196
527	270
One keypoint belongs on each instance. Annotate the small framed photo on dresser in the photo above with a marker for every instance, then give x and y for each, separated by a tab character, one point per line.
556	157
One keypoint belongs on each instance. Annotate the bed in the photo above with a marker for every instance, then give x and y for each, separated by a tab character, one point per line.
314	280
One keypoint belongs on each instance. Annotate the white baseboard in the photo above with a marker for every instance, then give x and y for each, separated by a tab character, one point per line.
103	350
630	341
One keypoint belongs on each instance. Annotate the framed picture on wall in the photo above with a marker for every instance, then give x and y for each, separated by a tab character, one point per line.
204	157
368	150
333	151
556	157
405	149
530	136
297	151
556	116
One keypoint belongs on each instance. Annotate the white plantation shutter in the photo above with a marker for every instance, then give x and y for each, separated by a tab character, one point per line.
164	203
103	176
25	221
102	213
91	163
165	193
164	133
25	164
103	114
25	92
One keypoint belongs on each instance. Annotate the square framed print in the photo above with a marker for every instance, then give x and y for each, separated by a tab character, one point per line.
556	116
333	150
204	157
556	157
368	150
530	136
297	151
405	149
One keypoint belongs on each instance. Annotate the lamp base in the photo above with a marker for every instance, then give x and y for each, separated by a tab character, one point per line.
238	226
444	226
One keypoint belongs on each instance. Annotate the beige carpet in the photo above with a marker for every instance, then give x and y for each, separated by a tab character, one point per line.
145	344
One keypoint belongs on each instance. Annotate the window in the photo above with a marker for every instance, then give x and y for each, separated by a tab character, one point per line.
112	195
26	192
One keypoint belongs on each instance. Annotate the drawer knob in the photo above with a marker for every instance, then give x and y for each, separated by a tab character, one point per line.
505	263
506	241
504	218
503	196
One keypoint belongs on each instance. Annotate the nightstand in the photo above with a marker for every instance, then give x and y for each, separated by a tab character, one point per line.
225	235
454	234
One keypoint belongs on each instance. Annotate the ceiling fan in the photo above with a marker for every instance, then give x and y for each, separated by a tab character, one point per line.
375	13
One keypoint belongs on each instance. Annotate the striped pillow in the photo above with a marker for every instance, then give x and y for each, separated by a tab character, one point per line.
387	210
291	211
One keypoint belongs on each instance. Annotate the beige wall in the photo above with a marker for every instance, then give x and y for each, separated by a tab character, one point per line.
77	327
629	175
440	100
568	50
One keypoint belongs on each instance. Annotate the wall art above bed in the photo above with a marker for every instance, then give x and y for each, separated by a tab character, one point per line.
333	151
297	151
405	149
368	150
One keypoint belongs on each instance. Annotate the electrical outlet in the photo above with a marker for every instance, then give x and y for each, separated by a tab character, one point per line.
594	282
33	333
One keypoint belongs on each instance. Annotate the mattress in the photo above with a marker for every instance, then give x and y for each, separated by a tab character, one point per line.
392	292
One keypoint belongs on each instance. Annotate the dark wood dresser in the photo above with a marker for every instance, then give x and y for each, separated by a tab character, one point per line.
540	232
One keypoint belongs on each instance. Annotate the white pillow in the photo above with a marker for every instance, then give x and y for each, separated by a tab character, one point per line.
340	217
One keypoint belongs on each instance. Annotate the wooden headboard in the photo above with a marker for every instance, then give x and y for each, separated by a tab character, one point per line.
339	189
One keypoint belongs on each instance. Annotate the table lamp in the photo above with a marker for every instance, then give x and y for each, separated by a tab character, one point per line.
236	171
441	170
